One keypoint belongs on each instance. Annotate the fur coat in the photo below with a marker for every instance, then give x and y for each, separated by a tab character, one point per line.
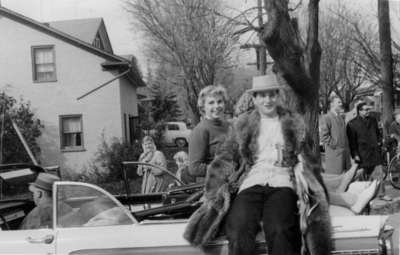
233	162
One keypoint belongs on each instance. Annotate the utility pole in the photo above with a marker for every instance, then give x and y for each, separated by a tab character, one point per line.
262	56
385	41
261	50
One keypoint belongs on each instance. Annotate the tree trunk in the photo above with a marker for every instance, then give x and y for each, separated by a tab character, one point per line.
298	65
386	63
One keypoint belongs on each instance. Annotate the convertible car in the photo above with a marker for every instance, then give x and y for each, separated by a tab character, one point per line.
101	223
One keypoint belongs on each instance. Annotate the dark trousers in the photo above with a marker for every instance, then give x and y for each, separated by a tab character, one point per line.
366	174
276	208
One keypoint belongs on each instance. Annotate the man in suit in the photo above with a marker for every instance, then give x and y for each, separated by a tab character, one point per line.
364	140
334	138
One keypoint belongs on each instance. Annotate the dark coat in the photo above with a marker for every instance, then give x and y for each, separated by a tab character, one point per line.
364	140
232	164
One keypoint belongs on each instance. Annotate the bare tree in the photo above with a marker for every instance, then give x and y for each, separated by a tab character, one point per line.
190	35
375	59
331	37
340	70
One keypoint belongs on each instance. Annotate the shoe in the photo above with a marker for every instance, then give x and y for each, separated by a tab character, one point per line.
365	196
386	198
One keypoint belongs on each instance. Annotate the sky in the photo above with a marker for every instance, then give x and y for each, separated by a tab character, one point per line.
123	38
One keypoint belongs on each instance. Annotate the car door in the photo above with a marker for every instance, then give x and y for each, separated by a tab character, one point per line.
40	241
99	224
32	241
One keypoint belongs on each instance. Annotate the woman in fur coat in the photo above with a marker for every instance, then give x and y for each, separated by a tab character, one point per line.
257	177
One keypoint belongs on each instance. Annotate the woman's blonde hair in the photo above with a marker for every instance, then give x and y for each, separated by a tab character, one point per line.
211	90
182	157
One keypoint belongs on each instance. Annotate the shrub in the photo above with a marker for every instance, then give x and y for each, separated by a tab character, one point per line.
30	127
109	157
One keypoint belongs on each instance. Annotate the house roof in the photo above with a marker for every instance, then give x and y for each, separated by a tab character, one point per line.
133	75
83	29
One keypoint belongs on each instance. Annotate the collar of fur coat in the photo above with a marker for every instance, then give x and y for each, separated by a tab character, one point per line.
247	129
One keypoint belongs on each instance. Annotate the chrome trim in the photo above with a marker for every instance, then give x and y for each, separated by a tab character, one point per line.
385	241
358	252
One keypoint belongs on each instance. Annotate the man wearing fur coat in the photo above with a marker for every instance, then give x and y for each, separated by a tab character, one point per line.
265	175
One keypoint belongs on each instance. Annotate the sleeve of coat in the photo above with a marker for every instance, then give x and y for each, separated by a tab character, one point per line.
198	148
224	164
325	134
159	160
352	136
378	132
393	131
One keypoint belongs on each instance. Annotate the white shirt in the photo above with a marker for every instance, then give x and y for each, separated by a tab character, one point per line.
264	171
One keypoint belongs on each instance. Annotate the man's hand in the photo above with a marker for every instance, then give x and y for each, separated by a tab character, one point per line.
357	159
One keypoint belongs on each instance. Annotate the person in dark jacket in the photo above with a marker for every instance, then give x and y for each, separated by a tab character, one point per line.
364	140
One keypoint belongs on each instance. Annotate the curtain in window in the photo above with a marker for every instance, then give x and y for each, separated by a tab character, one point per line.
72	133
72	125
45	67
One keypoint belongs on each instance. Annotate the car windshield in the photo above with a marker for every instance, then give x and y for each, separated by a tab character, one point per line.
81	205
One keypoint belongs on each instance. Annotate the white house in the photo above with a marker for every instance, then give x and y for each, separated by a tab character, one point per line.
60	68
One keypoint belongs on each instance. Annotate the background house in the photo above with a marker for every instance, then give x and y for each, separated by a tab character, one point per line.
57	66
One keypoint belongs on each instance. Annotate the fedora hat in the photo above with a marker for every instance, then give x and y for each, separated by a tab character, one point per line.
45	181
266	82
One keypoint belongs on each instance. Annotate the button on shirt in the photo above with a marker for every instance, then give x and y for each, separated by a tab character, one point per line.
264	171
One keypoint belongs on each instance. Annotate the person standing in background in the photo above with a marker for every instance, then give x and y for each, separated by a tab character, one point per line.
154	179
334	138
364	140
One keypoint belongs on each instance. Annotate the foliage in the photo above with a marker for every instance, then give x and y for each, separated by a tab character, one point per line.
164	105
29	125
107	163
189	35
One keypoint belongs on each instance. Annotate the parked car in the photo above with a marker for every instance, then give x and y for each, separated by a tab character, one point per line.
175	133
101	223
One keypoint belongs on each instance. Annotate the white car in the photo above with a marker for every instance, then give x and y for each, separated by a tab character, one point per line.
175	133
100	224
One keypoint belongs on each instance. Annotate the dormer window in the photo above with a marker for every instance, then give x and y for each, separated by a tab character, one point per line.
97	42
44	63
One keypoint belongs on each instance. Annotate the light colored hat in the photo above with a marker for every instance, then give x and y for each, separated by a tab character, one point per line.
45	181
266	82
